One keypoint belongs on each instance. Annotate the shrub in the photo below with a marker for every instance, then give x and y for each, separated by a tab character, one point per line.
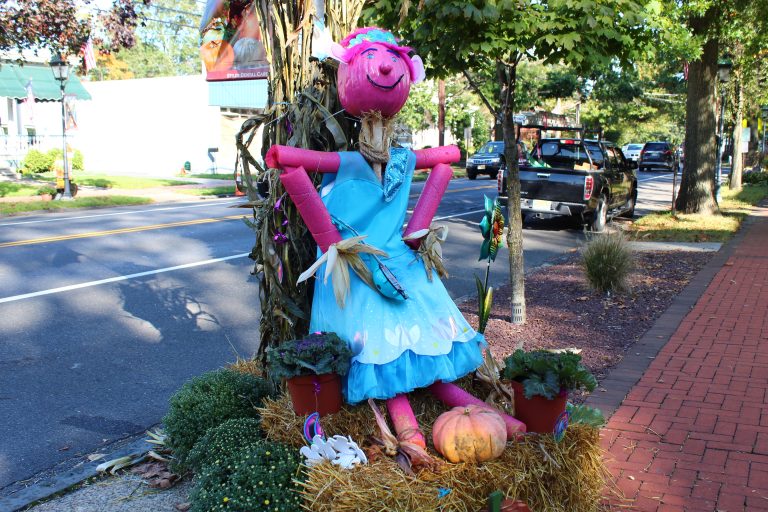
755	178
264	476
46	190
224	441
208	401
77	161
36	162
607	261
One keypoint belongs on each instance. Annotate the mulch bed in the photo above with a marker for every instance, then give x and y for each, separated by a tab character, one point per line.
563	311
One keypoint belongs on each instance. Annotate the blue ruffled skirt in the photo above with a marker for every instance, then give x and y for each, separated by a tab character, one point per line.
412	371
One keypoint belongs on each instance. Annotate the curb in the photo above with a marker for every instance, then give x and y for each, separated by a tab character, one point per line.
48	486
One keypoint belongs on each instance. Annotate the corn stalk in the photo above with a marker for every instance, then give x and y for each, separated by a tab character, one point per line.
303	111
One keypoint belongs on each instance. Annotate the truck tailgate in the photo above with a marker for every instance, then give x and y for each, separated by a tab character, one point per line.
562	185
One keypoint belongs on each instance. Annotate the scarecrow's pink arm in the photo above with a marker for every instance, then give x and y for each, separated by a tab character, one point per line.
282	157
310	206
428	158
404	420
453	396
425	209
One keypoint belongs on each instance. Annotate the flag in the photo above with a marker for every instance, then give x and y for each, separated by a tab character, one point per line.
29	104
89	58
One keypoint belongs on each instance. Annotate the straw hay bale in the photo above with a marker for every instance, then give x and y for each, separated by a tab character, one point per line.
567	476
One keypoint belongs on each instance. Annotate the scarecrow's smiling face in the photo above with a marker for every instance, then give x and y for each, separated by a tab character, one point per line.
376	79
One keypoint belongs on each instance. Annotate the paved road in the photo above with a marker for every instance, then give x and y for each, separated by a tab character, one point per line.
104	313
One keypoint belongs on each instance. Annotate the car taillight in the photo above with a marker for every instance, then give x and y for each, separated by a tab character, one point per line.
668	152
589	182
498	181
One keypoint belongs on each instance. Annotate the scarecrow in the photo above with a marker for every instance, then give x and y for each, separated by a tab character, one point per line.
403	327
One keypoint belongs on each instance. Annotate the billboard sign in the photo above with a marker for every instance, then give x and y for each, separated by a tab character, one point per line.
230	44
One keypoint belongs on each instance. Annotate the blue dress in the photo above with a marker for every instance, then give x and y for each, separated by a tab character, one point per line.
398	345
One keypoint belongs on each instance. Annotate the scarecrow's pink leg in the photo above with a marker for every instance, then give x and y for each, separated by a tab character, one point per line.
311	207
430	157
404	420
283	157
453	396
425	209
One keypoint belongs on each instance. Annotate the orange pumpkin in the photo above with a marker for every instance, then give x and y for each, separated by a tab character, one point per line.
473	433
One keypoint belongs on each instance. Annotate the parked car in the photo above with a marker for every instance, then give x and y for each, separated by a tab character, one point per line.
632	151
489	159
588	180
657	155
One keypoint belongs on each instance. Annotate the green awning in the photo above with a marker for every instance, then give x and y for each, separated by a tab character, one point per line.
44	85
9	84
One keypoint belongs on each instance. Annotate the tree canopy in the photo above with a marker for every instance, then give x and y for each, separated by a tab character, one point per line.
494	36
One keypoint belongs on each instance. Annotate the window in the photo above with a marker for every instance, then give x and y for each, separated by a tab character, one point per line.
492	147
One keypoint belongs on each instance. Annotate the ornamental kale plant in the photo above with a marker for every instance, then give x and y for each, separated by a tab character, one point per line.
316	354
548	373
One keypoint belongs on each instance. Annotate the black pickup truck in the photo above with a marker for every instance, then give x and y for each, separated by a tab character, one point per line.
588	180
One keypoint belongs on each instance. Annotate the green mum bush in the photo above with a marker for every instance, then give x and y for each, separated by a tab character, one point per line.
224	441
263	477
207	401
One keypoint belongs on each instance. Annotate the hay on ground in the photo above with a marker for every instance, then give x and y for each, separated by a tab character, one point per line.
547	475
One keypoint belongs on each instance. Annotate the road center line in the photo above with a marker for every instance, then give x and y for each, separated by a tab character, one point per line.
118	278
137	229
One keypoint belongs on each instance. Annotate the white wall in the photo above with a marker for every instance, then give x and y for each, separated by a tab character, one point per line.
147	126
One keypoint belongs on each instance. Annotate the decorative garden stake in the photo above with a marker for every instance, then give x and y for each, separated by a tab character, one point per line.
492	229
400	341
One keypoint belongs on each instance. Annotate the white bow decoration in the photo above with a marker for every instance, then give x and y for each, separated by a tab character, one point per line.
339	450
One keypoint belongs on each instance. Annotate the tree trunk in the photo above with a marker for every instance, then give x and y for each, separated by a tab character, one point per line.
697	187
738	167
508	80
441	112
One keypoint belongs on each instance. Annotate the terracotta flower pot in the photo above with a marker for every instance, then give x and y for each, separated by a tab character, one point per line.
538	413
315	393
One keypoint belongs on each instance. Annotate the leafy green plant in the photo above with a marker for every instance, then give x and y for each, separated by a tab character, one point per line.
207	401
754	178
547	373
316	354
46	190
36	162
607	261
77	161
585	415
264	476
224	440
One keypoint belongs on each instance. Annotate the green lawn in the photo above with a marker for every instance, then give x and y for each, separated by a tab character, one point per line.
458	172
107	181
734	206
211	191
218	176
83	202
10	189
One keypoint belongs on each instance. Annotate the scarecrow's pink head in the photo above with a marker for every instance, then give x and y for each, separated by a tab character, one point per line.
375	73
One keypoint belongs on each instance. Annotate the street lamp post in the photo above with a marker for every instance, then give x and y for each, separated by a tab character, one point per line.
60	70
724	74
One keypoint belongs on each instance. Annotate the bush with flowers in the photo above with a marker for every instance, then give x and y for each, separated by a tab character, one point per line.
264	476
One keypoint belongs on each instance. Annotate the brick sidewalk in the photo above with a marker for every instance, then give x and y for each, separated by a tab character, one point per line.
692	434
